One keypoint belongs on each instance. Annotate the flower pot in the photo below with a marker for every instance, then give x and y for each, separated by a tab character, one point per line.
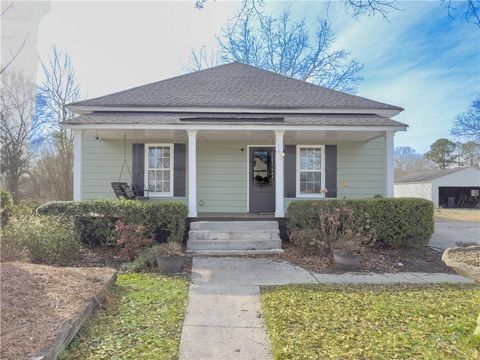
170	264
346	261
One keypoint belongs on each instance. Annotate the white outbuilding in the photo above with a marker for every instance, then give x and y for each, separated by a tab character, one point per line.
455	188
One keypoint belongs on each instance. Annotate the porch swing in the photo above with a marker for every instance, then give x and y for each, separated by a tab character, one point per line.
121	189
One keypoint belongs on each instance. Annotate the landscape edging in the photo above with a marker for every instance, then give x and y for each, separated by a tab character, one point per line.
69	330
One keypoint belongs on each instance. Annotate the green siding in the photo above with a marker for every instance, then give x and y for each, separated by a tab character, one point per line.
360	167
102	163
222	170
222	176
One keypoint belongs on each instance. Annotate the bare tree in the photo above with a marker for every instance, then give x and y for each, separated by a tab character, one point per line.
370	7
59	88
408	161
354	7
470	9
471	153
18	126
467	124
13	53
203	58
284	46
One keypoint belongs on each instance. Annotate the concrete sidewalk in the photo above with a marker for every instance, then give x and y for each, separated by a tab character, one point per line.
224	315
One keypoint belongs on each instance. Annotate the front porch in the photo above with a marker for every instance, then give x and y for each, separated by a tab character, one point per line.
218	168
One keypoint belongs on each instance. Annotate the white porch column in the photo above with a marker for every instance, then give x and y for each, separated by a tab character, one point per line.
192	173
77	165
389	179
279	173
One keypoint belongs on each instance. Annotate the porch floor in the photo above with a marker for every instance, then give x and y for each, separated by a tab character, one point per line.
218	215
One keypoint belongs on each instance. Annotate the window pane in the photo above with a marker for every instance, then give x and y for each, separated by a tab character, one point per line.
166	186
166	163
309	188
303	188
166	175
151	162
159	164
151	180
310	182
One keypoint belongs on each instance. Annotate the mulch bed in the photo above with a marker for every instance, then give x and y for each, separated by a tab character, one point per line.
376	259
37	299
99	256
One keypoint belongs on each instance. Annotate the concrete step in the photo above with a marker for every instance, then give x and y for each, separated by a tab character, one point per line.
234	244
233	252
234	225
233	235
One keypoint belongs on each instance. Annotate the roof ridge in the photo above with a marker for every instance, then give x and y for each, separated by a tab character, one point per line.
425	176
212	87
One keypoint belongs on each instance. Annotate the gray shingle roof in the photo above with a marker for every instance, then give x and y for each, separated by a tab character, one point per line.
426	176
235	85
216	118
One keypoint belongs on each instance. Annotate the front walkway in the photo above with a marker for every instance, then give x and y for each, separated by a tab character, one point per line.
224	319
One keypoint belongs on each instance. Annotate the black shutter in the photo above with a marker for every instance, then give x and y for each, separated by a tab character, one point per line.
331	171
138	168
290	178
179	169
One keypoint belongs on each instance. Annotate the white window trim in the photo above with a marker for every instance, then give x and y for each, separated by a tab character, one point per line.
297	166
159	194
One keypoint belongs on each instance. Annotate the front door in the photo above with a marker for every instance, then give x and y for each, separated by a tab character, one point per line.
261	179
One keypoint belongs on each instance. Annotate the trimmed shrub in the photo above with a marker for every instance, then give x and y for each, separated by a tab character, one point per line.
395	222
96	219
48	239
131	238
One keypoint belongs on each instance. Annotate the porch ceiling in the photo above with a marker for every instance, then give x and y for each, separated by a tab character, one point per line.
291	136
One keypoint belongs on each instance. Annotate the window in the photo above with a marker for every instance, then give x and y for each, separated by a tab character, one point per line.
310	170
159	169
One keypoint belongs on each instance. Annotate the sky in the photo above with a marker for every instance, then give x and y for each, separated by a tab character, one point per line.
420	59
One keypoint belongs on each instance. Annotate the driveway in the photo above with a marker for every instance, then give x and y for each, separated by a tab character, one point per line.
448	233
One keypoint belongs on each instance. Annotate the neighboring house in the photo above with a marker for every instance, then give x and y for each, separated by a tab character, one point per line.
234	139
446	188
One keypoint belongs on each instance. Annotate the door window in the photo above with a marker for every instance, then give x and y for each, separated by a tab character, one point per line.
263	169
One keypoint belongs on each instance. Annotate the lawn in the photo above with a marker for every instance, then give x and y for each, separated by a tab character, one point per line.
458	214
143	321
372	322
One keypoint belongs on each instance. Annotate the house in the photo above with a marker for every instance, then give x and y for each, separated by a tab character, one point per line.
234	139
458	187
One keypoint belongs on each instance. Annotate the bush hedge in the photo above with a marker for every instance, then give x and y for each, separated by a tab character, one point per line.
96	218
48	239
395	222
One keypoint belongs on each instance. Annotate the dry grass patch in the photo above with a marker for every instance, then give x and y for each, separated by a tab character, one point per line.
37	299
372	322
458	214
